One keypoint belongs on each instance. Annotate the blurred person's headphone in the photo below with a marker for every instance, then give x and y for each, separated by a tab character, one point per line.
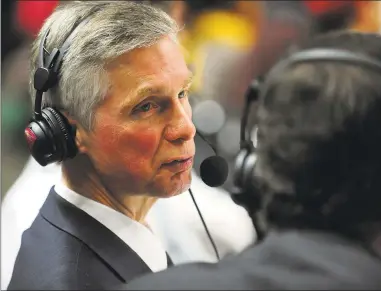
49	135
246	191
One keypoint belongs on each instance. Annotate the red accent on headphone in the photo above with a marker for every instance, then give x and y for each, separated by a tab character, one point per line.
30	137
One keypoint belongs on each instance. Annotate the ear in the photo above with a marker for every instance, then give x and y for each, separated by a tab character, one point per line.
81	134
81	139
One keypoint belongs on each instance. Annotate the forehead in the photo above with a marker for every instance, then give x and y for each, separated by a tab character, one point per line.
160	64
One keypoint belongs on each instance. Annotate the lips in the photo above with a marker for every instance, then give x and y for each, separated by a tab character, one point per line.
178	164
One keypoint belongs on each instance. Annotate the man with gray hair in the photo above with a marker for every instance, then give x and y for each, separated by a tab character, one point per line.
122	94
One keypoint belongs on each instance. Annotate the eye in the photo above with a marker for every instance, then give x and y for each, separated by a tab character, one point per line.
145	108
183	94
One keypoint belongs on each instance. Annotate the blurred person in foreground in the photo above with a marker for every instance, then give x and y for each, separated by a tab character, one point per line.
167	216
318	165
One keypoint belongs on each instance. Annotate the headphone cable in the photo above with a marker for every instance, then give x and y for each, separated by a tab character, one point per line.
204	224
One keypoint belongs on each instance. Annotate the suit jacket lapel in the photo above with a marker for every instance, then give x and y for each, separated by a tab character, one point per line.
95	235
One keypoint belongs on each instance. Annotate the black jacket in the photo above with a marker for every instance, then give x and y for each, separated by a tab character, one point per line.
67	249
289	260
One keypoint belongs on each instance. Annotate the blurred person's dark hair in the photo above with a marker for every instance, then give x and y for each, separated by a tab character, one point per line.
319	158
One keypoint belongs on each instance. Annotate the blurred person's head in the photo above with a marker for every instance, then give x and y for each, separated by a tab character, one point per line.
319	156
123	86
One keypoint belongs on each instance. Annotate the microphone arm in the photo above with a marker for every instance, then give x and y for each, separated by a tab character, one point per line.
207	142
213	244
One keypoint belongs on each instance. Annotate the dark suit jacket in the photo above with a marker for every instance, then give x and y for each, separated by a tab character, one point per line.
291	260
67	249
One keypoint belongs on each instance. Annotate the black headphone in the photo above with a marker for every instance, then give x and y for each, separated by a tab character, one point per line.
49	135
245	191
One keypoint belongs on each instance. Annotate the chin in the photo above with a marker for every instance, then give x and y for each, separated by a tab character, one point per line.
176	186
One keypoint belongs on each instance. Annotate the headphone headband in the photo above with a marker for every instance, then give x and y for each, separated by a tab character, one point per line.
335	55
46	76
322	55
327	55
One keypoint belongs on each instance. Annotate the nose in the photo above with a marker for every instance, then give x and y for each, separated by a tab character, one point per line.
180	127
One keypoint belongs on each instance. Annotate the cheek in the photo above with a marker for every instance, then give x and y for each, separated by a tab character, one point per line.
128	148
142	141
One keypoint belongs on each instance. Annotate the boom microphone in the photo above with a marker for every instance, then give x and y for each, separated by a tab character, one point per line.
214	171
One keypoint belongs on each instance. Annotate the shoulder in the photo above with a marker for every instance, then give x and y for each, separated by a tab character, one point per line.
49	258
44	243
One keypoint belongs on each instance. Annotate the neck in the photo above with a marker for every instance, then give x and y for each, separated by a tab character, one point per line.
80	176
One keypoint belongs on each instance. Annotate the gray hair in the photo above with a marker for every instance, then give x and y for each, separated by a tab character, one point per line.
113	28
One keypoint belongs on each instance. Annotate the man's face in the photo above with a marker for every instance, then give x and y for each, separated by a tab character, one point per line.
142	138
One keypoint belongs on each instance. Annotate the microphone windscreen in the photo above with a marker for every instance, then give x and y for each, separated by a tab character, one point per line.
214	171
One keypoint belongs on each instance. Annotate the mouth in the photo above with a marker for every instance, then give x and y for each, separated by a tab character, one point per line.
178	164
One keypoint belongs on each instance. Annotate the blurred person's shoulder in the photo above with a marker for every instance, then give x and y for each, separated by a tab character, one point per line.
291	260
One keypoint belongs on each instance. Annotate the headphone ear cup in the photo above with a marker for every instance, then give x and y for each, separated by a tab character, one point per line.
248	169
40	142
50	139
64	138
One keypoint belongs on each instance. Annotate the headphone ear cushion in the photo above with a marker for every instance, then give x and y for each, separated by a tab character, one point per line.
40	139
62	132
239	167
248	169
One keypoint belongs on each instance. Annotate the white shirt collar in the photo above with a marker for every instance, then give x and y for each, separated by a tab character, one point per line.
138	237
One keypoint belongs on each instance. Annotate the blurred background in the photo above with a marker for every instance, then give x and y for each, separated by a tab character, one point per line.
219	39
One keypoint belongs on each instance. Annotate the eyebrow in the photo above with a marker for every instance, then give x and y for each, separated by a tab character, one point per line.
149	90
